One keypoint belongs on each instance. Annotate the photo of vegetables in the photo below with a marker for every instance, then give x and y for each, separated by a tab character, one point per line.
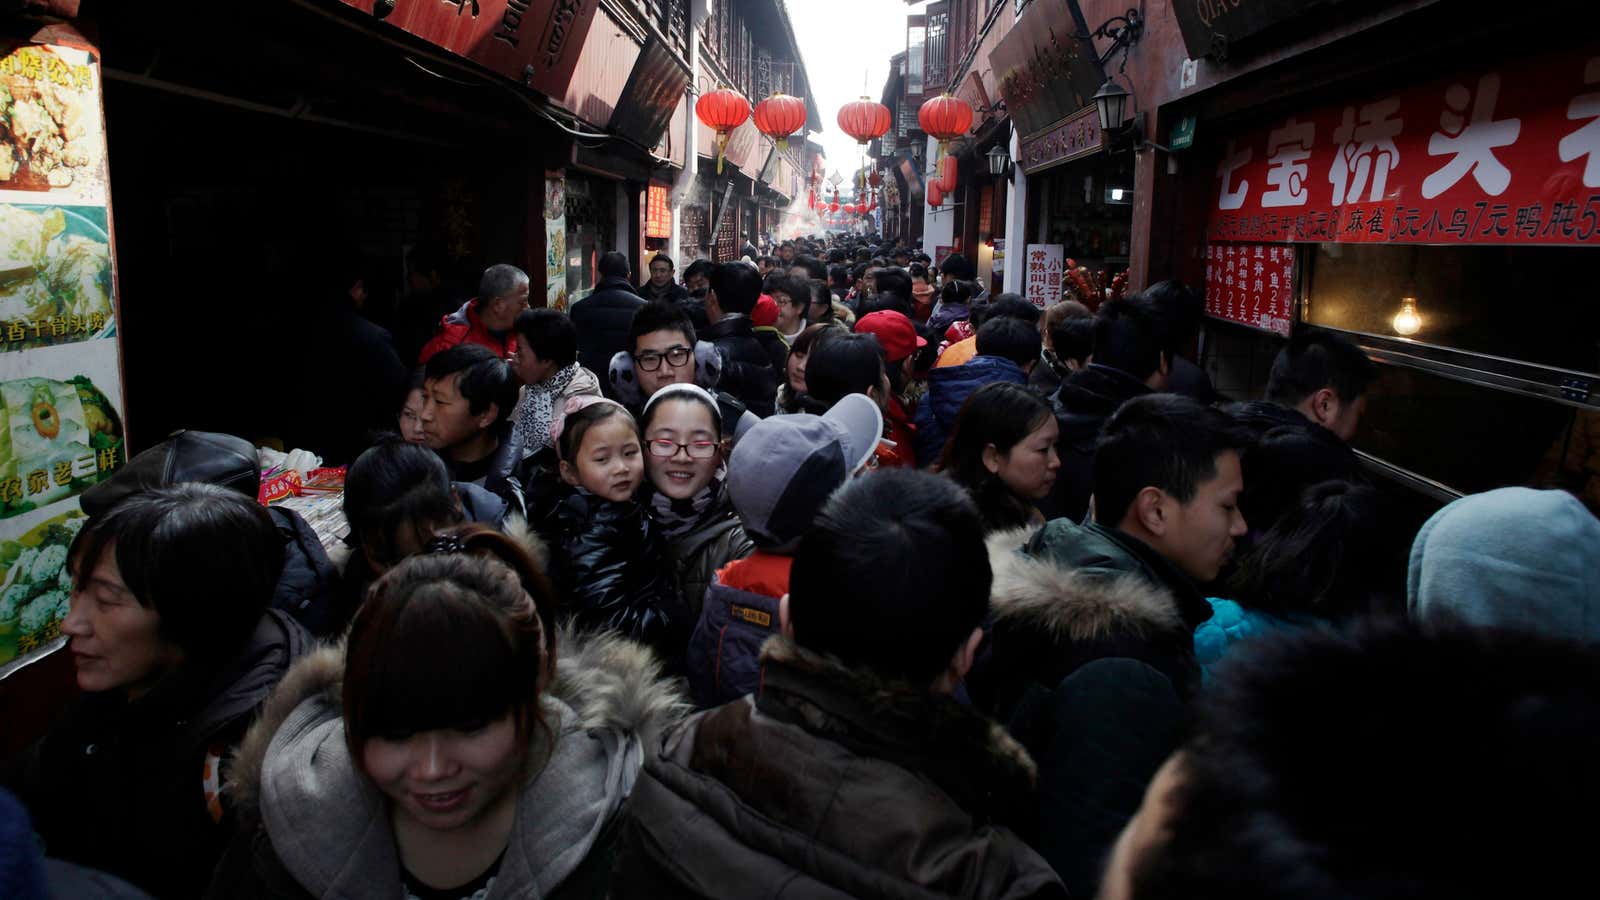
55	276
56	439
35	584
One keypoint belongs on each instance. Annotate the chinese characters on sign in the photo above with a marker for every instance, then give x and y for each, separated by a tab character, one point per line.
1078	136
1044	268
1508	155
1251	284
658	214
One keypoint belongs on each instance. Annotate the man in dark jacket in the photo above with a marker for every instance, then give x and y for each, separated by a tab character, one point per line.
1131	358
748	372
1008	349
853	772
468	396
602	318
1092	653
661	285
352	368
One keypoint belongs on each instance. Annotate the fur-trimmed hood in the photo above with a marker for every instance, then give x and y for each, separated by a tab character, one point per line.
1074	602
329	826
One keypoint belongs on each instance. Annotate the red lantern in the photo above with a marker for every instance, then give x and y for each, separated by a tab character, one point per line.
833	207
949	169
722	111
864	120
946	118
935	195
779	116
875	179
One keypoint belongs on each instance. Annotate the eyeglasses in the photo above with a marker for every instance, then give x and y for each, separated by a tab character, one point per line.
665	449
676	357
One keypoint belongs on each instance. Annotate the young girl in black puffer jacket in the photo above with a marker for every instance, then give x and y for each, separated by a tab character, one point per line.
608	559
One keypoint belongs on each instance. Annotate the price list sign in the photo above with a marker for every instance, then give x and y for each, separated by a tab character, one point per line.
1251	284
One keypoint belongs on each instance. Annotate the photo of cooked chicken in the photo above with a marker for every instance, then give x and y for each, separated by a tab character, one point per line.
50	131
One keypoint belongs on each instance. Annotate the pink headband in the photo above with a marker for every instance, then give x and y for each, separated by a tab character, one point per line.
579	403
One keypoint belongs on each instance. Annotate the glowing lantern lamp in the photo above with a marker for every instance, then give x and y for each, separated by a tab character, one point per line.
833	207
1407	321
779	116
864	120
945	117
722	111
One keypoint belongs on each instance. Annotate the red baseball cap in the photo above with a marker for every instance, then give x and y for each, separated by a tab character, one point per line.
766	311
894	331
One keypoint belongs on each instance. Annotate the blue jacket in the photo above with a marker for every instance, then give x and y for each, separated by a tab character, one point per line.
950	387
1229	624
724	658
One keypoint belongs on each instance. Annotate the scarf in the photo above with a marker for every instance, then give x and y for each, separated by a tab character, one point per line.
538	408
677	518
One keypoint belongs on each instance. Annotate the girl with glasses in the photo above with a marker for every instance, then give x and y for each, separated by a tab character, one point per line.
685	461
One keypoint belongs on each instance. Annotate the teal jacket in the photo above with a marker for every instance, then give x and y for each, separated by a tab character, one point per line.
1229	624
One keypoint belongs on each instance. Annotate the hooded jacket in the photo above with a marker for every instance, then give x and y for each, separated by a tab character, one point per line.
1089	665
748	372
611	564
316	827
832	783
1545	578
950	387
132	788
1084	403
603	319
946	314
464	327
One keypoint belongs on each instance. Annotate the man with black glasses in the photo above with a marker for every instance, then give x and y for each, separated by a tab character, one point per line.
664	350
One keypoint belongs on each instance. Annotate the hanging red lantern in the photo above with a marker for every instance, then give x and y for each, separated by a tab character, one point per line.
946	118
722	111
779	116
875	179
949	170
935	194
864	120
833	207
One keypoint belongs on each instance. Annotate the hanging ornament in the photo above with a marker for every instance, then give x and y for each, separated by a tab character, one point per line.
864	120
833	207
779	116
935	194
875	179
722	111
949	169
811	198
946	118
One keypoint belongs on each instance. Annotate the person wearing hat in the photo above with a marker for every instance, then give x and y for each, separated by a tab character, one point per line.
778	477
854	770
900	341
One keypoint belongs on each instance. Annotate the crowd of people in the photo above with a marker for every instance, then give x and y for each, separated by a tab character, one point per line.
824	573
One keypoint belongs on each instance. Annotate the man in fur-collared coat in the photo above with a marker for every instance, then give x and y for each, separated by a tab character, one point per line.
1091	654
852	772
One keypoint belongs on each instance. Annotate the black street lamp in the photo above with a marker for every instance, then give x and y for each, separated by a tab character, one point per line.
1111	102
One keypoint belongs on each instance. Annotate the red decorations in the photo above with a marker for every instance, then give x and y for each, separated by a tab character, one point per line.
779	116
945	117
658	212
949	170
875	179
722	111
811	198
864	120
1252	284
935	194
833	207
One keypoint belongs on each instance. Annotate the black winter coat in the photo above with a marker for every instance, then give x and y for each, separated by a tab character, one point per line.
602	320
1083	404
307	589
129	787
611	565
747	372
672	293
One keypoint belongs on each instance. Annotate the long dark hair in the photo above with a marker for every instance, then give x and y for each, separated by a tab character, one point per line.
394	491
840	365
1004	415
451	638
1324	556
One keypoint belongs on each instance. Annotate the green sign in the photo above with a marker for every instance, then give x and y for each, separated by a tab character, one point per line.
1182	134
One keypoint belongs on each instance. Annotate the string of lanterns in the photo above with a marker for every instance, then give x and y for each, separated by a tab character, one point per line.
780	116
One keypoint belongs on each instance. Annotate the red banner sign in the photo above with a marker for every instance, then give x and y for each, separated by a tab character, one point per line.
532	42
1252	284
1508	155
657	213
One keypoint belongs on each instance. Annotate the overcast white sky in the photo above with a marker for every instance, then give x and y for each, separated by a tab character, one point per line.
842	41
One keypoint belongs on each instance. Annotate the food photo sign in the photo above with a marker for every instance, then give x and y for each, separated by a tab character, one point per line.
61	408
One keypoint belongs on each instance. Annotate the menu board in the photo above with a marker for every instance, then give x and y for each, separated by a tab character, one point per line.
61	412
1251	284
1044	270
